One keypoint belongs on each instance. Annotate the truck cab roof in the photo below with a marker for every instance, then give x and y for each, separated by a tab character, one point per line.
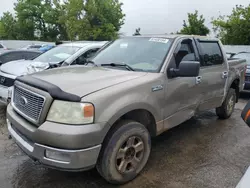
176	36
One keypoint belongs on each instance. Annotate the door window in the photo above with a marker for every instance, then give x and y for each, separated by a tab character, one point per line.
82	59
90	53
212	54
185	52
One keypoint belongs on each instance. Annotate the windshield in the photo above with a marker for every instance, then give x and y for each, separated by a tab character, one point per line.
57	54
142	54
245	56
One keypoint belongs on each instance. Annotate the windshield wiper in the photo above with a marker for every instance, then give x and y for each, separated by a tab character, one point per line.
119	65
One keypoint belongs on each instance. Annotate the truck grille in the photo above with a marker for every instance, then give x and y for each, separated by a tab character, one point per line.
28	104
7	82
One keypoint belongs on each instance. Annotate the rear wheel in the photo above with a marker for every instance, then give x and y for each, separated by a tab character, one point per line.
125	152
227	107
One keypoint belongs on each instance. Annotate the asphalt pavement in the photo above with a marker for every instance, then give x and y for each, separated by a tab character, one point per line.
202	152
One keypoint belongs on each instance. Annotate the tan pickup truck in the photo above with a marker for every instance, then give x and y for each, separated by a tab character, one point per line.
103	115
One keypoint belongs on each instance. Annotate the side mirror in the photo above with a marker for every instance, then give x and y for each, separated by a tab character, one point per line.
186	69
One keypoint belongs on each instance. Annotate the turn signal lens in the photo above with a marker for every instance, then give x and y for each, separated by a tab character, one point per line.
88	110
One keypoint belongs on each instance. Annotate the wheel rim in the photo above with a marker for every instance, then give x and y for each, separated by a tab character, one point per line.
130	155
230	105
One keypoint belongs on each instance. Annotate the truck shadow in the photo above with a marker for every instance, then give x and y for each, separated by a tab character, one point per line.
174	153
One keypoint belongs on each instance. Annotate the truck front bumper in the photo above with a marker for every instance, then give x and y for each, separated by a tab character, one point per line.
69	160
60	146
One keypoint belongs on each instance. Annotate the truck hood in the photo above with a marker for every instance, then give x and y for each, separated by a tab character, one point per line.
23	67
81	80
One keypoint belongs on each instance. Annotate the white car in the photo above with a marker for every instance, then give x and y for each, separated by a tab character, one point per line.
66	54
245	180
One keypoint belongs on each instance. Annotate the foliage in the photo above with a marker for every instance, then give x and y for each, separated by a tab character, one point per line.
93	19
8	26
195	25
235	28
137	32
2	31
52	20
38	19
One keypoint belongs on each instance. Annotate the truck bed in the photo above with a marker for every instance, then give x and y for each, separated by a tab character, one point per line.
237	68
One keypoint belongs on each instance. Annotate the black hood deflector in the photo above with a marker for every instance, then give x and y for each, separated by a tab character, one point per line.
52	89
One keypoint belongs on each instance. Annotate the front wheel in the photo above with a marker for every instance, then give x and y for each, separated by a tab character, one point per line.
125	152
227	107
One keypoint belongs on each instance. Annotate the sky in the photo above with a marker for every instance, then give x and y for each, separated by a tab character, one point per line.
161	16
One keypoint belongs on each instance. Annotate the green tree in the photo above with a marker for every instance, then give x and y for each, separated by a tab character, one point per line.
53	20
8	29
93	19
137	32
3	34
195	25
39	19
235	28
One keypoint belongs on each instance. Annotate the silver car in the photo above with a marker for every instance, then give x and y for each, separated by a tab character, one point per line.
66	54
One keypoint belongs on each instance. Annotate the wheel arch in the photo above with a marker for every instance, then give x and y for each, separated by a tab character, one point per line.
235	84
142	113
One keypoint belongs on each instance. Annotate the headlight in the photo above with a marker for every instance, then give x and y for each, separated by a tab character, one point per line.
71	112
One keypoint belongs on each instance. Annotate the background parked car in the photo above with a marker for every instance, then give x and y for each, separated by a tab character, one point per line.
67	54
46	47
246	56
12	55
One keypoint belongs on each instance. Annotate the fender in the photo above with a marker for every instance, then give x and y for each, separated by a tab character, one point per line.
135	106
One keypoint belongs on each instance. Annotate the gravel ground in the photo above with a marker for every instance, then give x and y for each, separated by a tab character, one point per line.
202	152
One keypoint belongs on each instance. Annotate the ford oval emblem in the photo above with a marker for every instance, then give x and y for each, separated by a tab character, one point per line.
23	101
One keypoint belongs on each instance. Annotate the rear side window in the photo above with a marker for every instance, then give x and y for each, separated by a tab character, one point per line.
11	56
1	46
212	54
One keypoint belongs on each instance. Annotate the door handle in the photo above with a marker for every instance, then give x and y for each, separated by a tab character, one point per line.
224	74
198	79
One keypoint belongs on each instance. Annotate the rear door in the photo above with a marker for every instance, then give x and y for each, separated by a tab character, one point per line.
214	73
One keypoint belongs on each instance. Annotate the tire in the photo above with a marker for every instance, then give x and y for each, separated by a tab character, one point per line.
127	137
227	107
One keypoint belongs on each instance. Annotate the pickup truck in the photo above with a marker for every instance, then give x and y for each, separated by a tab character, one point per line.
68	53
104	114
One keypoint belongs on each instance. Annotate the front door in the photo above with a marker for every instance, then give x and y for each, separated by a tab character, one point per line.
182	94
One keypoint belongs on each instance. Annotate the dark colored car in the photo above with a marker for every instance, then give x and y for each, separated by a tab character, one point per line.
246	56
12	55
